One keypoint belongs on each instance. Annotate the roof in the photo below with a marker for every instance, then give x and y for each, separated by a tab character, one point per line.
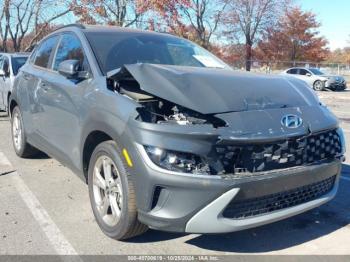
109	28
301	67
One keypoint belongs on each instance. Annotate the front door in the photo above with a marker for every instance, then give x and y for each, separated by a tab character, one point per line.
305	75
62	101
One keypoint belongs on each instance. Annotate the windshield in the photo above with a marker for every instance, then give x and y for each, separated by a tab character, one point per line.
113	50
316	71
17	63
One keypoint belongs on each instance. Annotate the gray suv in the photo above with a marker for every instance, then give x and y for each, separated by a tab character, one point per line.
10	63
167	136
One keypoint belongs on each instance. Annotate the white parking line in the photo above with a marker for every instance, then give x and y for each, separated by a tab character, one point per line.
345	178
52	232
4	161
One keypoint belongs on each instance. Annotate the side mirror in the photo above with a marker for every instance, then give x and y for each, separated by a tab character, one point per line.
2	73
69	68
308	74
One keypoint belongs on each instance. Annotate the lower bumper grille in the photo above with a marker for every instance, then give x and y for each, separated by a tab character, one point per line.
274	202
288	153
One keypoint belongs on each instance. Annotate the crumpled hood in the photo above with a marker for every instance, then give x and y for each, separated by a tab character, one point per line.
210	91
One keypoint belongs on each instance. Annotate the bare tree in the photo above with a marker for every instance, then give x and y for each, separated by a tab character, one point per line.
19	17
247	19
204	17
4	28
43	21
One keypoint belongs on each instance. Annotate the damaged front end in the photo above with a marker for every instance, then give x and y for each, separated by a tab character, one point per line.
186	125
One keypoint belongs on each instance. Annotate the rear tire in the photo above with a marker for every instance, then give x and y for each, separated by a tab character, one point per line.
19	140
318	85
112	193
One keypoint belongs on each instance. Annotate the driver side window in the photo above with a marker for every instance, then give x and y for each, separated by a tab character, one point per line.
70	48
303	72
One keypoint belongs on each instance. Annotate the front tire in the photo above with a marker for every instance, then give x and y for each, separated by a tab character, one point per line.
318	85
19	140
112	193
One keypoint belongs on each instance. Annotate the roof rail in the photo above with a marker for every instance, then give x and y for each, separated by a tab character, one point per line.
71	25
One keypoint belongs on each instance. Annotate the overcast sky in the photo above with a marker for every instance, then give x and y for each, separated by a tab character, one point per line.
334	16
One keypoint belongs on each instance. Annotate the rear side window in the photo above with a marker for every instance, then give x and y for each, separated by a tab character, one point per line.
292	71
70	48
44	52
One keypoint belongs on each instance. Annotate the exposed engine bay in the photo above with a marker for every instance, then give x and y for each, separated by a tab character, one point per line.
157	110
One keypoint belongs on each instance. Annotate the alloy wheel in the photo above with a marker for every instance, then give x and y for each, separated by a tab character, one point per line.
107	190
17	131
318	86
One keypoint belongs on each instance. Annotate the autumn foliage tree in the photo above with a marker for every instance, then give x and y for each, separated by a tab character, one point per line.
339	56
296	38
112	12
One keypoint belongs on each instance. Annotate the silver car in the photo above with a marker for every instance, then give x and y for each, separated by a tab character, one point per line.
316	79
9	67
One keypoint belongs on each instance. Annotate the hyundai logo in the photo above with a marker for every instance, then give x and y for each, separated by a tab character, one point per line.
291	121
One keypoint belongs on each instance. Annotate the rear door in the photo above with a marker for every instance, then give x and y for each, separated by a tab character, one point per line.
35	76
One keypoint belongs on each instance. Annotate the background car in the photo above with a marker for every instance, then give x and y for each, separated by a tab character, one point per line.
9	67
316	79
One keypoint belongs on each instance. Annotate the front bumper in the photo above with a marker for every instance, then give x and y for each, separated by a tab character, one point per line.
180	202
212	214
335	85
185	203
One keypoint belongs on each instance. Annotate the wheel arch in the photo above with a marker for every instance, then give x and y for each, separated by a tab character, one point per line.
12	104
8	97
323	83
91	139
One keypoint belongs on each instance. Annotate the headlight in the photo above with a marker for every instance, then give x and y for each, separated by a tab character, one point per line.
342	140
177	161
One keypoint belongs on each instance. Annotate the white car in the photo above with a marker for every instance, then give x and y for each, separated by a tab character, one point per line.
317	79
9	67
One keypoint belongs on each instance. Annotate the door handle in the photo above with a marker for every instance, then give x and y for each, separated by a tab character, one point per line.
44	86
26	76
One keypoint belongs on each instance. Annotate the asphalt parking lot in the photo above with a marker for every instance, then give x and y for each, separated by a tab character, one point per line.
44	209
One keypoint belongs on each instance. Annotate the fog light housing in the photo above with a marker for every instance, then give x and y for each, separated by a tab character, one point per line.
177	161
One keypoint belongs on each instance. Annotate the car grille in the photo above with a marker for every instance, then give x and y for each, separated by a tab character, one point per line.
274	202
279	155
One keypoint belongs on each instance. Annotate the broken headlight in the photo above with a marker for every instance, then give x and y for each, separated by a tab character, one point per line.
177	161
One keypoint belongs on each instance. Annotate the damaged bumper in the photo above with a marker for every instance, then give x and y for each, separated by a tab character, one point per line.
206	203
217	204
